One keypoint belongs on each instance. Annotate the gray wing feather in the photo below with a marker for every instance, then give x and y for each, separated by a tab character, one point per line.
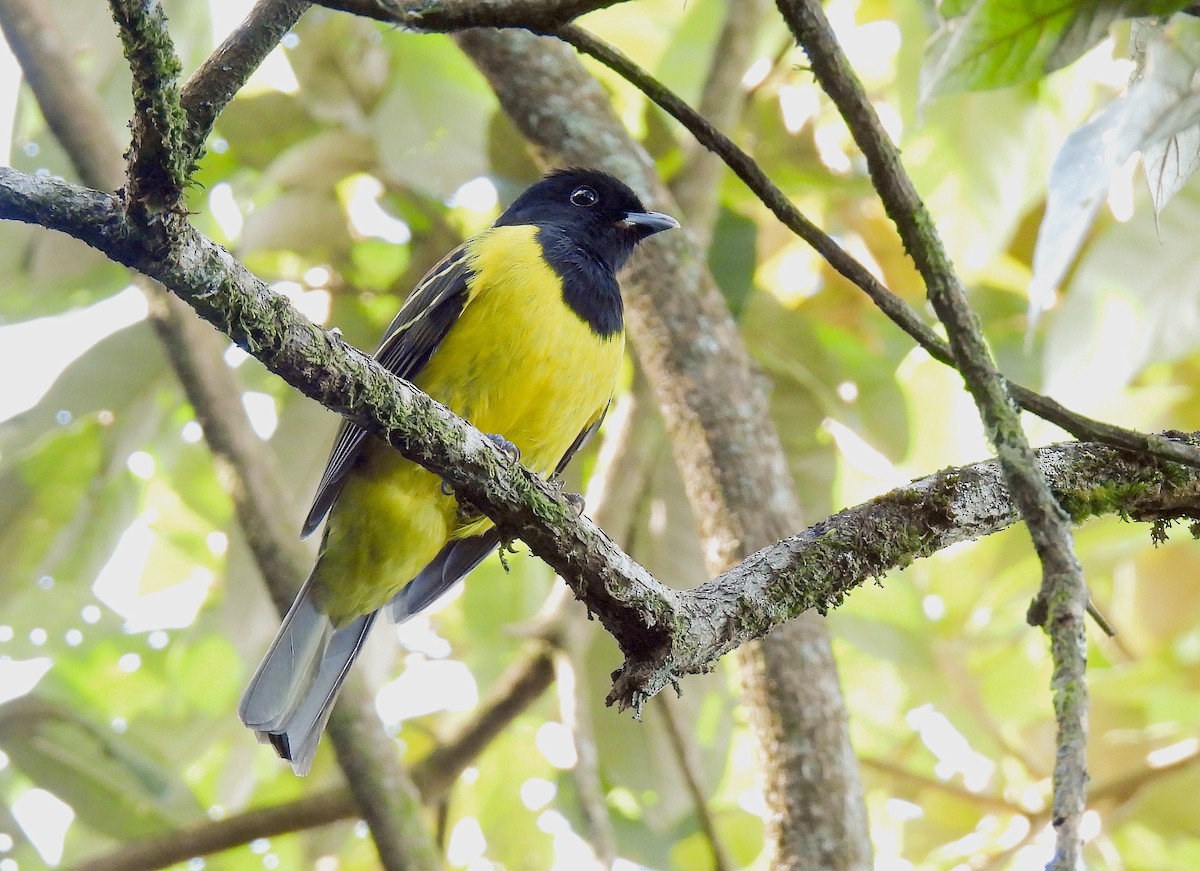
452	564
414	334
456	560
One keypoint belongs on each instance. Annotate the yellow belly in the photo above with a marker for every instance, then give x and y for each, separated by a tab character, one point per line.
519	363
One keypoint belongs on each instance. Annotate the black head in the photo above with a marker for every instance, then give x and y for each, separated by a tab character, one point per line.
593	208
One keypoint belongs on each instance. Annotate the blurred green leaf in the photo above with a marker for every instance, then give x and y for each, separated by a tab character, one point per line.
999	42
111	786
117	375
302	221
732	257
419	144
45	273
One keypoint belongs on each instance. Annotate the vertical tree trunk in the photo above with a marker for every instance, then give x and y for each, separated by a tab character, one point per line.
724	442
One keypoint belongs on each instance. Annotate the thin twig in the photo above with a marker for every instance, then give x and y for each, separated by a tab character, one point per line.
519	686
1063	593
573	710
209	90
960	794
689	767
893	306
208	837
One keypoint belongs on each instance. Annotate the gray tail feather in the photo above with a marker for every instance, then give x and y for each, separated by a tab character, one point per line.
452	563
291	695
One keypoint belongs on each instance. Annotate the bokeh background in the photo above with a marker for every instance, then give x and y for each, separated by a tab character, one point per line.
131	614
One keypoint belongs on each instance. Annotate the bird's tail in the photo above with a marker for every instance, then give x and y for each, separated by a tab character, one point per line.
291	695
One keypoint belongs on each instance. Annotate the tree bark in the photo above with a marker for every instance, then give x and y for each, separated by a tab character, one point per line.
725	445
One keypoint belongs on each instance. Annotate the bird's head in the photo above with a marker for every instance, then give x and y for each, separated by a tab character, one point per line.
595	209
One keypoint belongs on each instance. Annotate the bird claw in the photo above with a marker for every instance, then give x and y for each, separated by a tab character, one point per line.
576	501
508	448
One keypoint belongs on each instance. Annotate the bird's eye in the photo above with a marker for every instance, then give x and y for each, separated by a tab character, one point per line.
584	196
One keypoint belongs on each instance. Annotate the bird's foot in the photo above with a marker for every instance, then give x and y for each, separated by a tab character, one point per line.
508	448
467	513
575	500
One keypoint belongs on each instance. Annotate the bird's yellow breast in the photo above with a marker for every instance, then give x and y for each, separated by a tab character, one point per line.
517	362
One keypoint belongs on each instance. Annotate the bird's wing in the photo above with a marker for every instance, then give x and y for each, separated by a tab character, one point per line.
415	333
582	439
459	557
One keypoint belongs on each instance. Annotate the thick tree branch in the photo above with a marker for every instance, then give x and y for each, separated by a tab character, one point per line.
665	633
1063	596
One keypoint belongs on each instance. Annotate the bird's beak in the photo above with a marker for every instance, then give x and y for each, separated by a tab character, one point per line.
648	222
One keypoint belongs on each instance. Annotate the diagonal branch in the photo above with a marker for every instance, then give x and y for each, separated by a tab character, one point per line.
893	306
664	633
1063	596
227	69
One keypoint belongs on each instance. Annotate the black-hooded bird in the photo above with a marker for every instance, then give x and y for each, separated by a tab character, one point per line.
520	330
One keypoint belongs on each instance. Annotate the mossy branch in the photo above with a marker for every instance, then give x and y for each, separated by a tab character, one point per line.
664	633
1063	590
159	165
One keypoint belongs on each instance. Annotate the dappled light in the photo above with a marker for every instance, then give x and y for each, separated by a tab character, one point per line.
357	154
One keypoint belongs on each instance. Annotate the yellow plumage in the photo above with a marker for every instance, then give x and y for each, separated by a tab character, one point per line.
541	380
520	331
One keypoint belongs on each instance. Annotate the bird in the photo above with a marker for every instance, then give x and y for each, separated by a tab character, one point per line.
519	330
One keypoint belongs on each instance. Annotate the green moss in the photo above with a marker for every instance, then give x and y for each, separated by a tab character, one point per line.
1106	498
161	163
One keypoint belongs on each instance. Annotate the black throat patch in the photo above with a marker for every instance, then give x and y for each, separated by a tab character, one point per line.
589	287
